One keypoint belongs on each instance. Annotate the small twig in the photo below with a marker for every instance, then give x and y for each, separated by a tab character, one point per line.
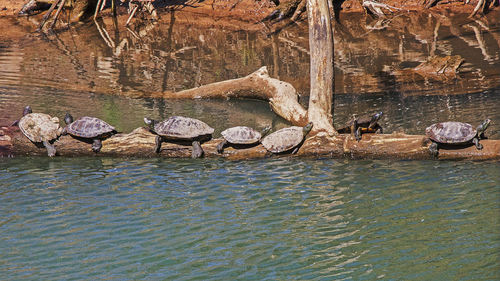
97	9
47	15
102	6
105	36
131	15
57	14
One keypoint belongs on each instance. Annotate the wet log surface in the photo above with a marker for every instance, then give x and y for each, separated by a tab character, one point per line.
140	144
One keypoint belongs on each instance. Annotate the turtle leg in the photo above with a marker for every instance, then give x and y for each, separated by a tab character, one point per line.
295	150
476	142
357	134
433	149
378	129
96	145
354	129
51	150
158	142
197	150
220	146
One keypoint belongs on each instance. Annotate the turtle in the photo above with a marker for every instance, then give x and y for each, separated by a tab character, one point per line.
181	128
40	128
89	128
364	123
241	135
455	133
286	139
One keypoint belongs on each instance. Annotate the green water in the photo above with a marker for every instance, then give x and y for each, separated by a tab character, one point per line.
274	219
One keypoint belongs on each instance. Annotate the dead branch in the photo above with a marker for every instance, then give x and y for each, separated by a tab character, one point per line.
376	8
281	95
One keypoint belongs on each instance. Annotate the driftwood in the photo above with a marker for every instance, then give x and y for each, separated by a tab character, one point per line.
140	143
281	95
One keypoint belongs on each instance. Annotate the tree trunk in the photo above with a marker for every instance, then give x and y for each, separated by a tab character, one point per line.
321	53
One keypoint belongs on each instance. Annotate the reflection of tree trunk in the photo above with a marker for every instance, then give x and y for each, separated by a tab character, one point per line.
480	41
435	38
321	54
276	53
168	48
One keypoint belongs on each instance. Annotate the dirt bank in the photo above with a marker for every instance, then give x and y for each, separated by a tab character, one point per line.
251	10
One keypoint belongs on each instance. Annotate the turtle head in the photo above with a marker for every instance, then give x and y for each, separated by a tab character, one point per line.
68	119
27	110
265	131
483	126
375	118
307	128
150	122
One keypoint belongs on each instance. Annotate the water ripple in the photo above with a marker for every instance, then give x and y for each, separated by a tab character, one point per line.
275	219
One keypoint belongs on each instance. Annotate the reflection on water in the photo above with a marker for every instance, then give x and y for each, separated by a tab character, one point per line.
77	70
265	220
409	114
175	54
412	114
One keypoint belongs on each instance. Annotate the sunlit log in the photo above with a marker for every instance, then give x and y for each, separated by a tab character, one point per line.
140	144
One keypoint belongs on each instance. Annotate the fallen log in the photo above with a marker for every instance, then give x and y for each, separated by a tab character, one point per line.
140	144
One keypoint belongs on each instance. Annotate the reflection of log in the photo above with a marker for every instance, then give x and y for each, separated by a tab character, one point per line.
282	96
140	143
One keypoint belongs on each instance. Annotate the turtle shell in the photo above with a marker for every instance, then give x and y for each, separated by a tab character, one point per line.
39	127
284	139
241	135
363	121
182	128
451	132
89	127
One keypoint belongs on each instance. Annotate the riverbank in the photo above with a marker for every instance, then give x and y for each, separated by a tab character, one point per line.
251	10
